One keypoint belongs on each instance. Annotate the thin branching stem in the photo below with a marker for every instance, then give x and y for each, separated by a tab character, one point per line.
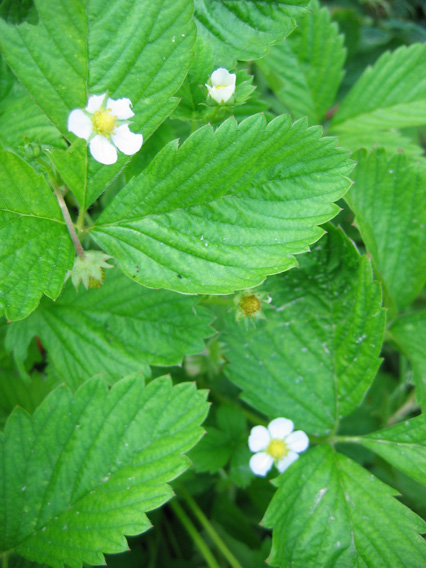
208	527
194	534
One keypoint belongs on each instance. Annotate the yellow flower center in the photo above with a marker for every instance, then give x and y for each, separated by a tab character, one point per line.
103	122
277	449
221	86
250	305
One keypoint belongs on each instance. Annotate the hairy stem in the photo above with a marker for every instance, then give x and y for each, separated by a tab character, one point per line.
194	534
208	527
69	223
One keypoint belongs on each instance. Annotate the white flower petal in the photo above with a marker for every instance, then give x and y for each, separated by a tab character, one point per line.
222	95
120	108
95	102
223	77
259	439
80	124
286	462
297	441
127	142
102	150
261	463
280	428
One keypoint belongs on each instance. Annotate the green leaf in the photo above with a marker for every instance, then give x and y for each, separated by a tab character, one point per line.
306	70
115	330
226	208
391	140
317	352
389	203
84	470
408	333
213	451
21	120
391	94
36	248
329	511
138	49
403	446
245	30
14	392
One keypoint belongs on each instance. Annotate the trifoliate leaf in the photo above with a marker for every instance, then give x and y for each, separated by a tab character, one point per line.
391	94
402	445
316	353
36	248
117	329
226	208
329	511
389	202
84	470
138	49
305	71
245	30
408	333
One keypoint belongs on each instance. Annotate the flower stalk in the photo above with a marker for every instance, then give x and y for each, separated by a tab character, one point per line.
68	221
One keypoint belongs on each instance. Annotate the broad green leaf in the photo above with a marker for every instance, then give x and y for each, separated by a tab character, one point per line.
328	511
245	29
408	333
137	49
22	121
305	71
227	207
83	471
36	249
391	94
212	453
15	12
222	443
115	330
389	202
391	140
317	352
402	445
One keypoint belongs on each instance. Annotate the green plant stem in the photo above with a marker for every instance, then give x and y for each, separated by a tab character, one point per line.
208	527
5	560
407	408
68	222
80	219
194	534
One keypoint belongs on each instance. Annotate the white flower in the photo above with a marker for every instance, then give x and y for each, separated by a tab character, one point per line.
104	124
223	85
275	444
